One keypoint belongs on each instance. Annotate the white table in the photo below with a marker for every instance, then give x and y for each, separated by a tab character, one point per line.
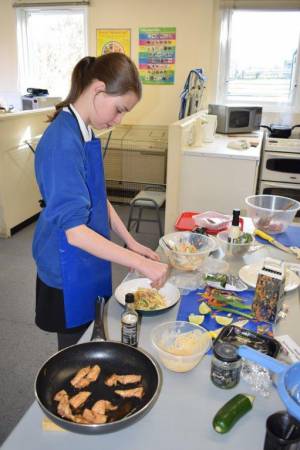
182	417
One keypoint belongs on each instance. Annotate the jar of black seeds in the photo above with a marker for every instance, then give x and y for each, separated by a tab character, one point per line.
225	365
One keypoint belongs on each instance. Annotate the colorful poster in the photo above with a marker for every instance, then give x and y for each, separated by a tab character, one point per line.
157	55
113	40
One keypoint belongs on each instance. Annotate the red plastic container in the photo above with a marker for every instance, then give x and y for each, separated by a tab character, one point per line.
185	222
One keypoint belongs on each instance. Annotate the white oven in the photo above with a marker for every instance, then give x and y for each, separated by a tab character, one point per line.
280	166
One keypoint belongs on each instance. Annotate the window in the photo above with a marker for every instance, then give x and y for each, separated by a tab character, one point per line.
50	42
258	60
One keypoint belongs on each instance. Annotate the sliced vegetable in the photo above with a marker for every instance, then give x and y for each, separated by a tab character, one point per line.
204	308
231	412
234	311
223	320
197	319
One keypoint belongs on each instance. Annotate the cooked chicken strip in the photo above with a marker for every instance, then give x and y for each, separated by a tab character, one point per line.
64	409
122	379
101	406
59	395
78	399
86	376
79	375
79	419
93	373
93	417
136	392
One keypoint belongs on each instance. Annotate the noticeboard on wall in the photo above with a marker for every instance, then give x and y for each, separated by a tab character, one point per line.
113	40
157	55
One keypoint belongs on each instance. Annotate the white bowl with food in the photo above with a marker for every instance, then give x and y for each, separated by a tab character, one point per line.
147	300
186	250
180	345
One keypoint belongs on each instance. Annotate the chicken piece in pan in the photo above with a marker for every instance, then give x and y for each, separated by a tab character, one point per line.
63	407
78	399
85	376
101	406
114	379
126	393
93	417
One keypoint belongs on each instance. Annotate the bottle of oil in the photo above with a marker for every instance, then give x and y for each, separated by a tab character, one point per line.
234	230
129	322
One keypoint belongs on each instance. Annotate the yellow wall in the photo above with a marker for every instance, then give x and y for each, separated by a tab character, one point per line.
194	22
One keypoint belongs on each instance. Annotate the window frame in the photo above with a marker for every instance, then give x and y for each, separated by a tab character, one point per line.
23	43
292	105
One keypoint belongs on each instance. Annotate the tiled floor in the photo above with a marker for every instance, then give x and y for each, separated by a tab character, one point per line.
24	347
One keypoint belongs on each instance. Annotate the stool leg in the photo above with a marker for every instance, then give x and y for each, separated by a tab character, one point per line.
130	217
158	220
139	219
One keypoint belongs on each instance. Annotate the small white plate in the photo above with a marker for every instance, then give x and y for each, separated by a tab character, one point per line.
249	275
169	291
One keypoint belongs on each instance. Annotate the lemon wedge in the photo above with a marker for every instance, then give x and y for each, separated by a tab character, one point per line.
197	319
204	308
222	320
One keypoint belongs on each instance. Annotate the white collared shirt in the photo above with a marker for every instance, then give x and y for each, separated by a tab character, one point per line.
85	130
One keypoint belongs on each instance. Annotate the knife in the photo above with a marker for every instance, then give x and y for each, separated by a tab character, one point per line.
273	241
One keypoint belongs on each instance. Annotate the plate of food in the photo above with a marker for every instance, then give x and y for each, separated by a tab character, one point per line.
147	300
249	273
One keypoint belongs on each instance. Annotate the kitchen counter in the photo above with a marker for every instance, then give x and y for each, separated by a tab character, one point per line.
219	147
182	416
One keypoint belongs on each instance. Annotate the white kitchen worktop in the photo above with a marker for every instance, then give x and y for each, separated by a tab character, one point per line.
219	148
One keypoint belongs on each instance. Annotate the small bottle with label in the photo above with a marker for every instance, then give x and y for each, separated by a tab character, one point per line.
129	322
234	230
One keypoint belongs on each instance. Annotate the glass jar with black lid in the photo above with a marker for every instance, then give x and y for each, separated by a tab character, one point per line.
225	365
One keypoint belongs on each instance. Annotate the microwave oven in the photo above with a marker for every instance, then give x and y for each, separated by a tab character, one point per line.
236	119
36	102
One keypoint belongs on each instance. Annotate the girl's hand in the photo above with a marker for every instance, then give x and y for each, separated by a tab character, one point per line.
134	246
156	271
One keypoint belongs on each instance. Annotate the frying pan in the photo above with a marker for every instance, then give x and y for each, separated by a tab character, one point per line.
112	357
279	131
288	384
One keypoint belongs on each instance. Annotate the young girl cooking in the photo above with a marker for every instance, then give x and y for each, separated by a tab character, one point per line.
72	246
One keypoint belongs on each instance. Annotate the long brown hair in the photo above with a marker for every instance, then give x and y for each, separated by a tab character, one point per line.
116	70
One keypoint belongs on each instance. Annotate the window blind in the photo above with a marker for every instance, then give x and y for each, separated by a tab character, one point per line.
47	4
275	5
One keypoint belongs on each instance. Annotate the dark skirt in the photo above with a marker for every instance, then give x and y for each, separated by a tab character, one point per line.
49	310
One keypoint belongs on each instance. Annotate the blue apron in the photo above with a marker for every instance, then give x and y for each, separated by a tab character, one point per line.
85	277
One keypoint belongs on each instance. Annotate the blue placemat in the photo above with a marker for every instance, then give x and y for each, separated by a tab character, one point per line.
291	237
190	304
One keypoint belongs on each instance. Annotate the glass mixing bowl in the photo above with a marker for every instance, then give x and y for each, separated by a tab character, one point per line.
186	250
271	213
180	345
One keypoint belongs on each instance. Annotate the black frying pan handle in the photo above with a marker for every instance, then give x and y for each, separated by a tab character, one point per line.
98	330
295	126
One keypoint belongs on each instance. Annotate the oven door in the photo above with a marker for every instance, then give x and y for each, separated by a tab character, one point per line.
277	166
289	190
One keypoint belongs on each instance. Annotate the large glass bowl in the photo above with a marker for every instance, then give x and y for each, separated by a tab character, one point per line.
180	345
271	213
186	250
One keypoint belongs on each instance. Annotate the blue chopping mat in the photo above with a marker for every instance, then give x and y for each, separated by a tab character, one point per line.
190	304
291	237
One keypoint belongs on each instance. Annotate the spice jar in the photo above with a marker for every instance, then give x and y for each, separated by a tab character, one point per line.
225	365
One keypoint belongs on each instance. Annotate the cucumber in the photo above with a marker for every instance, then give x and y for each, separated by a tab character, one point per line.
231	412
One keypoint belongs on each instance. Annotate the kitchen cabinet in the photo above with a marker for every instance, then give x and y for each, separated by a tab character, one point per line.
218	183
209	177
19	193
